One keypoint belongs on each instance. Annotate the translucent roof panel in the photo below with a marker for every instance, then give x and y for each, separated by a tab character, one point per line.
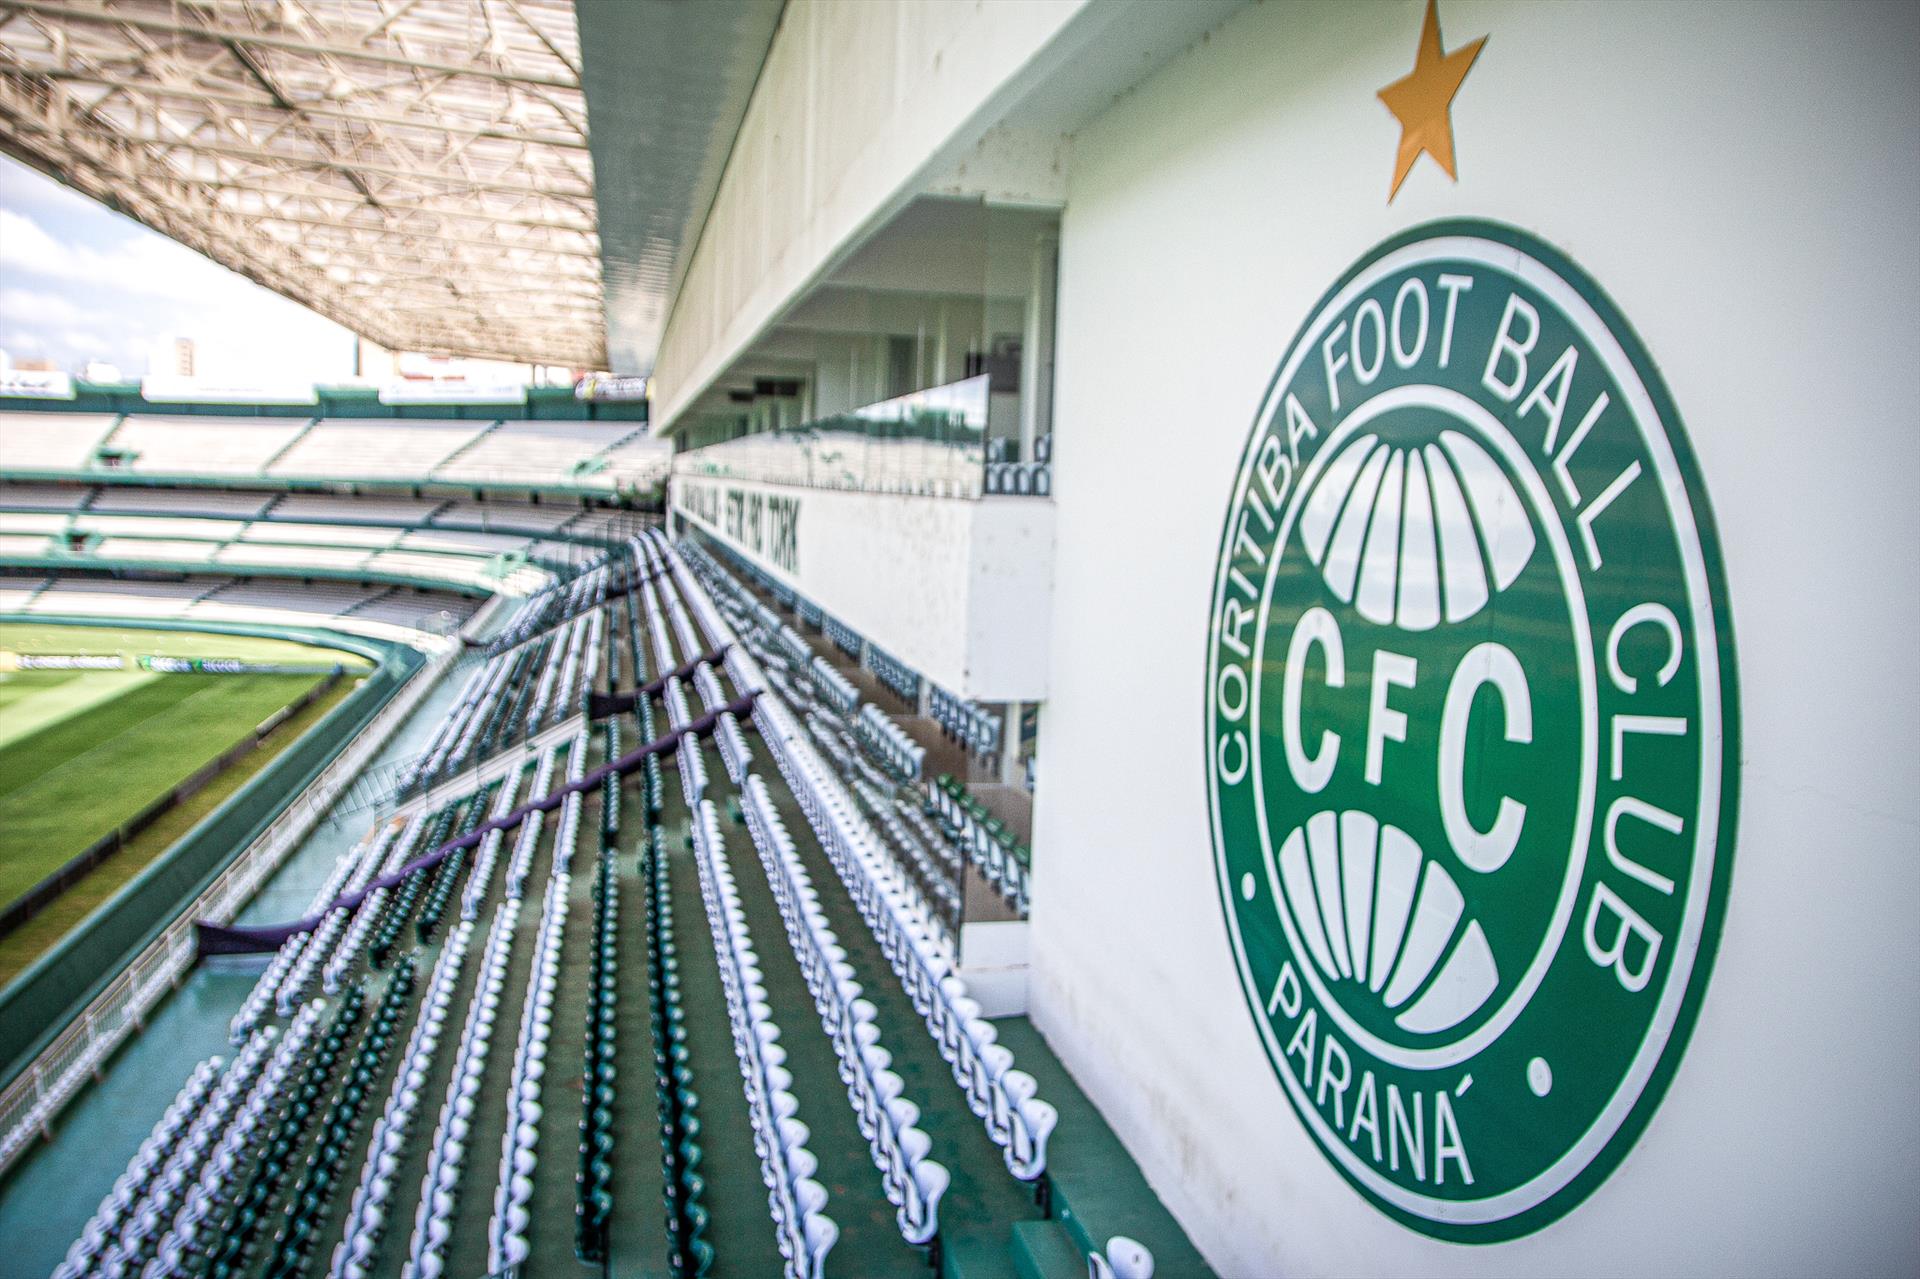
417	171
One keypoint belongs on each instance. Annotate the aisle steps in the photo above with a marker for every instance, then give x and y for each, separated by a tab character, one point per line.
1098	1189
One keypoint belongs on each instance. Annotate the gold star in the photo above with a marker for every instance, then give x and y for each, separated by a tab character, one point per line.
1420	101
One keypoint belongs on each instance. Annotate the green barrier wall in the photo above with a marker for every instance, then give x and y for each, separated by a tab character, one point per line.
43	999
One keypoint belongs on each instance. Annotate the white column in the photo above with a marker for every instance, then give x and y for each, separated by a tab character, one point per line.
1010	744
1036	347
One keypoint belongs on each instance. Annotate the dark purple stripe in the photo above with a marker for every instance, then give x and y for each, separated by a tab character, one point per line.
601	705
228	939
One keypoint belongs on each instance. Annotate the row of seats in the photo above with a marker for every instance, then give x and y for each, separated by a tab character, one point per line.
585	454
681	617
473	895
903	924
266	990
364	861
682	624
369	1210
914	1182
1019	479
563	683
734	751
693	766
358	941
833	687
894	673
230	536
842	636
797	1202
263	1171
504	701
1003	1097
359	864
195	1230
654	784
610	786
441	880
1006	449
507	1243
931	861
890	743
935	867
409	616
398	909
308	968
968	723
312	1193
101	1240
683	1188
561	600
990	846
231	1253
499	727
447	1156
933	864
290	550
796	649
599	1082
482	686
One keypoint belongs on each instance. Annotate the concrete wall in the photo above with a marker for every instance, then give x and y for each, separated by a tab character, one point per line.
957	589
854	101
1740	179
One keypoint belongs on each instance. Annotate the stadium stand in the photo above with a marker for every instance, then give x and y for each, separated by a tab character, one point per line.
38	442
765	926
382	612
201	445
780	931
221	503
586	457
352	447
551	450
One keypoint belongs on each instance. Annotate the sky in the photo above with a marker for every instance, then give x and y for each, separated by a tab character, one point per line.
79	283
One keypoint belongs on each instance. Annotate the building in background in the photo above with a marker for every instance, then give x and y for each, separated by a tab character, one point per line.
172	356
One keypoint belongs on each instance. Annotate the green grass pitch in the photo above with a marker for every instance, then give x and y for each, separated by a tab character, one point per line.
83	751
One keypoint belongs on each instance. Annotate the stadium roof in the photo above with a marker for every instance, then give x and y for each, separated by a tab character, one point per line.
414	169
417	170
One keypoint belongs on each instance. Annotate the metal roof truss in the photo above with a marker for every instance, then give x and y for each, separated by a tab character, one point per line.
415	169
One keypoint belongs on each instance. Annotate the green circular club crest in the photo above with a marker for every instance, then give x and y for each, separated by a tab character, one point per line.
1471	731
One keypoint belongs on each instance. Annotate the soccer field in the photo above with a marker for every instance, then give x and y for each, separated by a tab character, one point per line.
82	751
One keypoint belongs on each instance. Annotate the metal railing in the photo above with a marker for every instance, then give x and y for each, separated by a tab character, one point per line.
929	443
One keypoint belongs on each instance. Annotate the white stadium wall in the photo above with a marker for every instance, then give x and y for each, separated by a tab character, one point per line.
1740	180
958	589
